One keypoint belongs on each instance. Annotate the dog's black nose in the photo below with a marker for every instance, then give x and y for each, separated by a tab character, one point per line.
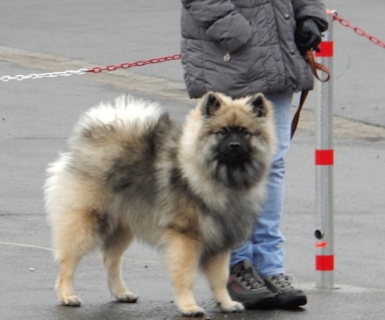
234	146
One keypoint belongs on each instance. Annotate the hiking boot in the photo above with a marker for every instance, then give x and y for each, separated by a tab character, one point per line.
247	287
286	296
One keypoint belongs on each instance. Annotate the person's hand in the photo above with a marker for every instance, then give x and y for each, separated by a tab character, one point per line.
308	35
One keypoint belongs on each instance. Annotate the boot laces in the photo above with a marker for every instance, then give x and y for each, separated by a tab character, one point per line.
248	276
281	281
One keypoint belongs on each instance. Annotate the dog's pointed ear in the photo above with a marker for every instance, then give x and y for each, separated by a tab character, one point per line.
259	105
210	104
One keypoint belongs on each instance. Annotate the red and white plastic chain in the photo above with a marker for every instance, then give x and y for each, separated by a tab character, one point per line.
127	65
358	30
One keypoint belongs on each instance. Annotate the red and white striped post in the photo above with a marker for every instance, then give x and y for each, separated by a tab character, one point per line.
324	161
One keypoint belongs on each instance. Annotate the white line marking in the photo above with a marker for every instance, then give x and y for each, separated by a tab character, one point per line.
26	245
50	249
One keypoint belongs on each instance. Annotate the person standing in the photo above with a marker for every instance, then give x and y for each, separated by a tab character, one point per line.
239	48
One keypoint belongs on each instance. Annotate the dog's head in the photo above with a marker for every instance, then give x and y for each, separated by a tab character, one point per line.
235	137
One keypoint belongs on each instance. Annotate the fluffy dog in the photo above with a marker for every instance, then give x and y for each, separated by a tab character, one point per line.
192	191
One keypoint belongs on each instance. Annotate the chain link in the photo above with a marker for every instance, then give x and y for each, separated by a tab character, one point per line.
358	30
140	63
34	76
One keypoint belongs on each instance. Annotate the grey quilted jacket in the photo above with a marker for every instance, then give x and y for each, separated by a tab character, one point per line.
241	47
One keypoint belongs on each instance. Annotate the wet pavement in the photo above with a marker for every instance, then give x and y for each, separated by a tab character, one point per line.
36	117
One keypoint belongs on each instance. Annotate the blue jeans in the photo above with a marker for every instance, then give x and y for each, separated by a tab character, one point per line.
264	248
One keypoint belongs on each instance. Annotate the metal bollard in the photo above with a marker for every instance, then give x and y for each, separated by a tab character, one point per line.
324	161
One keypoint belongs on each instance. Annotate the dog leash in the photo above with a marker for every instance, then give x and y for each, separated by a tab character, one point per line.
315	66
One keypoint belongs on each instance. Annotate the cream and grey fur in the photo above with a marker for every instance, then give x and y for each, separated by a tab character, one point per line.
191	191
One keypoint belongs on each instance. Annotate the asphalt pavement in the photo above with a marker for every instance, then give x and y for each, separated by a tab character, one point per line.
36	117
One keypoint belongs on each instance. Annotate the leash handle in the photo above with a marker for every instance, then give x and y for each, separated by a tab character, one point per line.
315	67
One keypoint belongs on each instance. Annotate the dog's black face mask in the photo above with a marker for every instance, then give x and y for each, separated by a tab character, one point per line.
233	146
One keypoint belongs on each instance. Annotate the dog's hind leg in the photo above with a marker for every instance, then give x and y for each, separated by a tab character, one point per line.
216	270
181	255
113	249
74	236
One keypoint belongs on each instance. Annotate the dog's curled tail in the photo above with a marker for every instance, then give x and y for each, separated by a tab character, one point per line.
109	132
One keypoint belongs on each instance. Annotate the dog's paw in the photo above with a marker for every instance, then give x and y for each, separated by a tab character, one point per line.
231	306
71	301
192	311
127	297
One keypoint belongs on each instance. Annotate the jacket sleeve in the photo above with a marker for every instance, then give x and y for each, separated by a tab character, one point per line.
223	24
311	9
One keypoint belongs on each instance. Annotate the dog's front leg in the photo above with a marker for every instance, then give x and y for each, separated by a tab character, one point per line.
181	254
216	270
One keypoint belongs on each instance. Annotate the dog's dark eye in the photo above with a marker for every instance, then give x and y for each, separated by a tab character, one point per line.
244	132
223	132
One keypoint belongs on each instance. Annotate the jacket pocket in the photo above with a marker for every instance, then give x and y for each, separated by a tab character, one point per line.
231	32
